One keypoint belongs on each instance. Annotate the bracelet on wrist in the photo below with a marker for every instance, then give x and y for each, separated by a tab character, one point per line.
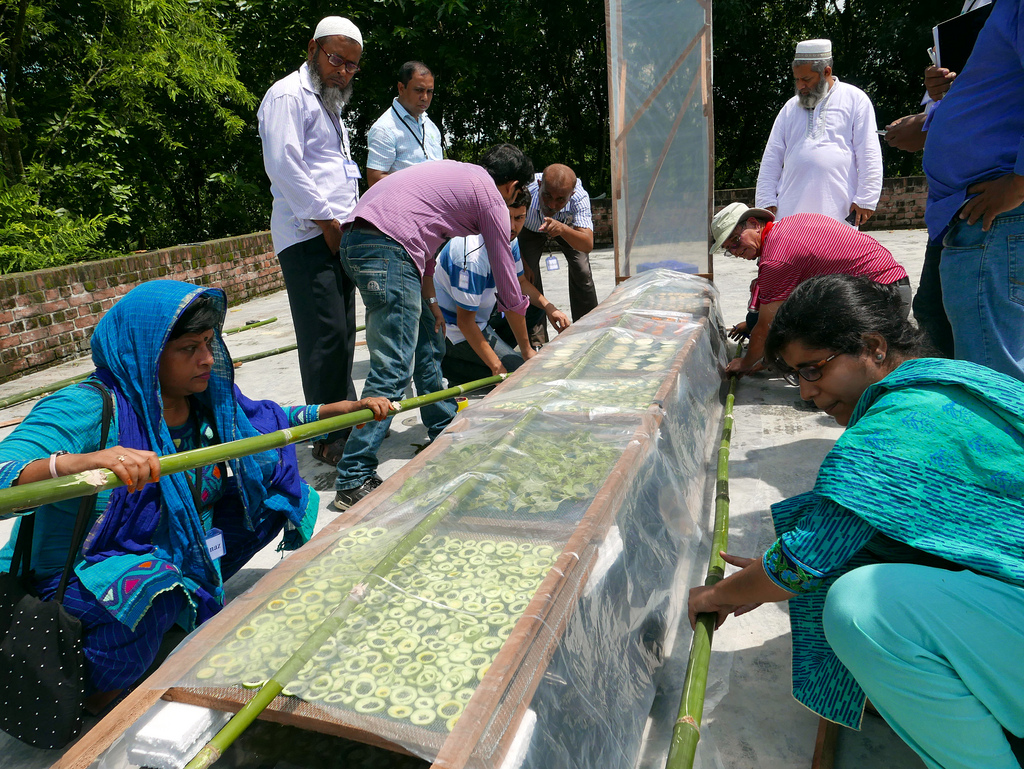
53	462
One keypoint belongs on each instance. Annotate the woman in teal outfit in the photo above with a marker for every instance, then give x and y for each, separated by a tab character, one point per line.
158	549
904	566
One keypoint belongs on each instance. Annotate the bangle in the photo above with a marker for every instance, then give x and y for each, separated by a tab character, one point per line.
53	462
431	300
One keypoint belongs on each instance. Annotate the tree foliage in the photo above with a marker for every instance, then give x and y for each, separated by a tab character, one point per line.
133	122
879	46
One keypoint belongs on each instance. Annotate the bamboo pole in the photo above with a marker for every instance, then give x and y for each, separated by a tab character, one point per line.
44	390
250	325
241	721
265	354
32	495
686	732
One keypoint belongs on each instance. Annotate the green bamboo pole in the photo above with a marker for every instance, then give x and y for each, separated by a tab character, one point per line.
686	732
241	721
250	325
44	390
31	495
265	354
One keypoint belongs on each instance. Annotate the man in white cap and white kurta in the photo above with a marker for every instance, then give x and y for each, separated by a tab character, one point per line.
823	155
315	184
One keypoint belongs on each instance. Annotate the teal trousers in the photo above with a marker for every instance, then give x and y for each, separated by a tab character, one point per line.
940	654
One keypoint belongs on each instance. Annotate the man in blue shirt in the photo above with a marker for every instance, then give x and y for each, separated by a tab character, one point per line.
465	292
974	161
404	135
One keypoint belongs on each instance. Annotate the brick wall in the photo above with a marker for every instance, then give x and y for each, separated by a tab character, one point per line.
601	209
47	316
901	206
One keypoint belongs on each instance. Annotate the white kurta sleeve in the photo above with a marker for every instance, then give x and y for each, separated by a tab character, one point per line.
282	134
770	173
867	154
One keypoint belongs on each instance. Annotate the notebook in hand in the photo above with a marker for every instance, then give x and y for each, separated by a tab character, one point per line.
954	38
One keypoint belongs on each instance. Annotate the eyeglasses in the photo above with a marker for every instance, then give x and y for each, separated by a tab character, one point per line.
810	373
734	239
339	61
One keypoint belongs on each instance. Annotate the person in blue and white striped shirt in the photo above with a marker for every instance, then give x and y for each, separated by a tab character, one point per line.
560	214
404	136
465	291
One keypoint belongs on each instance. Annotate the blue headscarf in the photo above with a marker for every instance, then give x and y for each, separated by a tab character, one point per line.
129	556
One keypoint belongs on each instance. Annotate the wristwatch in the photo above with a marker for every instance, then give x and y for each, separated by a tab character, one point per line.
431	300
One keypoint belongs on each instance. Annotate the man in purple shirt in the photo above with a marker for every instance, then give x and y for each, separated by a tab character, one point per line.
387	248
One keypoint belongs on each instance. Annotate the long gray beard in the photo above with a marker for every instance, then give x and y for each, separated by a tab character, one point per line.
334	99
810	101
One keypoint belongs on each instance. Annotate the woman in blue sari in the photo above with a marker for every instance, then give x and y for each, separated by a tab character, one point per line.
159	549
904	566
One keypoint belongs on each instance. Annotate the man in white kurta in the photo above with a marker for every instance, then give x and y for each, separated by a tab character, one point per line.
315	184
823	155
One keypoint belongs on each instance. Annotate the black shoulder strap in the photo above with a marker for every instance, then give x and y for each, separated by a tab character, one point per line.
88	506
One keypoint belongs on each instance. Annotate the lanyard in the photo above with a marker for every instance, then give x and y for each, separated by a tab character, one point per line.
336	124
412	130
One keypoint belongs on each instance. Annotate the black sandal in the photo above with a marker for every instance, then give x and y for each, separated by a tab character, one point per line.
328	452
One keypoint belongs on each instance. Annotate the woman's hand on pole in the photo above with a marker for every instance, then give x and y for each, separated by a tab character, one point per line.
133	467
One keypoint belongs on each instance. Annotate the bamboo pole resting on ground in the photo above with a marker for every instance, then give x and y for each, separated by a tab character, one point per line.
686	733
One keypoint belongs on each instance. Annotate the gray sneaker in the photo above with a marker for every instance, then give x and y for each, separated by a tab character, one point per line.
345	498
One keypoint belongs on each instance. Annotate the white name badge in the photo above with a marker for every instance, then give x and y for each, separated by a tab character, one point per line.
464	280
552	263
215	544
352	170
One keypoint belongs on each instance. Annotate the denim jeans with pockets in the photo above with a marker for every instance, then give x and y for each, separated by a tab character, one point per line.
402	343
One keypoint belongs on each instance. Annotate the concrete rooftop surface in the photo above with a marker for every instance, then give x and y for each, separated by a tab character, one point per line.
751	719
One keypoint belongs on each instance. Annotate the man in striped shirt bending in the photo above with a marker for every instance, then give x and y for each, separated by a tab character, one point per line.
791	250
388	249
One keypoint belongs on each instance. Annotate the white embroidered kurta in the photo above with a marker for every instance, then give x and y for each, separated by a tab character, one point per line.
820	161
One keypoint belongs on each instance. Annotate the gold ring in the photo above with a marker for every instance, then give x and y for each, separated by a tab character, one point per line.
121	458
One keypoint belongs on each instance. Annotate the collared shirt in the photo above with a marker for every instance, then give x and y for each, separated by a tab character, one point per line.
803	246
423	206
304	152
976	132
576	212
464	279
822	160
398	140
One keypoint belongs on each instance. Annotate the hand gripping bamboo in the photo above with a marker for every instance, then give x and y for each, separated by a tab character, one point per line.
686	732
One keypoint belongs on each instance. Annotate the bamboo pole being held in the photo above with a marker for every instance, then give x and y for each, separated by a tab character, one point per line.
241	721
686	732
250	325
31	495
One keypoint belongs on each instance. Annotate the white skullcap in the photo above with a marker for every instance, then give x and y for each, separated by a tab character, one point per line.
813	50
336	25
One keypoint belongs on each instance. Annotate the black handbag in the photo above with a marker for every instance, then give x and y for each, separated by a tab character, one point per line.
42	665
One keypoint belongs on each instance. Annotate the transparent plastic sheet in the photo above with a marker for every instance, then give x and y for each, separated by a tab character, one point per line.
554	581
659	59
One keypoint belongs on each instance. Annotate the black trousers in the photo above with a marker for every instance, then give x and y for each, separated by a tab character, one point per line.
323	306
582	293
929	312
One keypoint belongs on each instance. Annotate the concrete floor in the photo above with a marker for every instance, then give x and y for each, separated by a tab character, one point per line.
752	721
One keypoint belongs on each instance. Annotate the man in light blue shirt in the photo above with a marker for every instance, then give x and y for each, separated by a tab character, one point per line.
974	161
404	135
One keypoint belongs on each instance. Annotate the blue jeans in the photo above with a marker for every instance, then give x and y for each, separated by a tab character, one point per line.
402	343
983	291
461	364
